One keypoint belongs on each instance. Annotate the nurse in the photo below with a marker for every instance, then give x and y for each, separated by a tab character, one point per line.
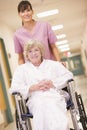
32	29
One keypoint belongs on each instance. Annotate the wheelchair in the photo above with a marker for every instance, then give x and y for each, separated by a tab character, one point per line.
22	114
74	104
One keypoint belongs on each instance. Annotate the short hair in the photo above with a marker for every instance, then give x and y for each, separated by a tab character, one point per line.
33	43
23	5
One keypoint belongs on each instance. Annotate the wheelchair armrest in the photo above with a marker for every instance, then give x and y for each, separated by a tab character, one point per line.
16	93
28	115
70	80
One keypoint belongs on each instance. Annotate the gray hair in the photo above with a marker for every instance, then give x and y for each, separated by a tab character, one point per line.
33	43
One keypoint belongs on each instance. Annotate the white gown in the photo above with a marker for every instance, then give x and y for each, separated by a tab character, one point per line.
49	107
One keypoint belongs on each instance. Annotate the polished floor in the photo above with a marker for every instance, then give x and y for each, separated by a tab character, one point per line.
81	87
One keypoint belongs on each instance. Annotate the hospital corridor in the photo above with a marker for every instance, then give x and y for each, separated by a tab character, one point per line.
65	31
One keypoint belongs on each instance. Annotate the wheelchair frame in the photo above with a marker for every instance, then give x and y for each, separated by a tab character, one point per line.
22	114
77	110
76	107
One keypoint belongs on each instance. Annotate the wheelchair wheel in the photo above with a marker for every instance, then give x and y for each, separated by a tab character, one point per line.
18	124
83	117
22	121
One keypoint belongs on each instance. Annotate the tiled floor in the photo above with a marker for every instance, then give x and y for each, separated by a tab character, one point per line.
81	87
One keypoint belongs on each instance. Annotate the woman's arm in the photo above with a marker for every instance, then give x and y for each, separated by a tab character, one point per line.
55	52
21	59
62	75
18	83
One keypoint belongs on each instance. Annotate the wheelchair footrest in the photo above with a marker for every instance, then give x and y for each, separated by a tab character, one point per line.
69	104
29	115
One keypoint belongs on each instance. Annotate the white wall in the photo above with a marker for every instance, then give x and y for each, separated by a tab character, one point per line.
6	34
84	58
84	50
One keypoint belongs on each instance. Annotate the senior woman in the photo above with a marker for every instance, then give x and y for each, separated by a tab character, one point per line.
41	81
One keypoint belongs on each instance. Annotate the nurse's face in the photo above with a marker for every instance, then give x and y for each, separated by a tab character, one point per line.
34	56
26	15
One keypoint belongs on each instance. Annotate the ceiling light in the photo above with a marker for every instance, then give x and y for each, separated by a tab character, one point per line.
61	42
57	27
65	49
61	36
63	46
47	13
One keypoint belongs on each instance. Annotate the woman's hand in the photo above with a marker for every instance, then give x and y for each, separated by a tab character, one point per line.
45	84
42	85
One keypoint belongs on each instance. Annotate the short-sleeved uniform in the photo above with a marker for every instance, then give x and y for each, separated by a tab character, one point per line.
41	32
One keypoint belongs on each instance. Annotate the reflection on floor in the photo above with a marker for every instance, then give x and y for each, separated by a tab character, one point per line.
81	87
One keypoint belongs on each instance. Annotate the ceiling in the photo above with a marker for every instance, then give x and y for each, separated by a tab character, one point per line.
72	14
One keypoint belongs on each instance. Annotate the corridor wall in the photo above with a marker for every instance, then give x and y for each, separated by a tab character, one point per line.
5	76
6	33
84	58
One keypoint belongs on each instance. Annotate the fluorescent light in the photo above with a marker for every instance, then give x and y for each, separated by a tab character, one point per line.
47	13
57	27
61	36
61	42
65	49
63	46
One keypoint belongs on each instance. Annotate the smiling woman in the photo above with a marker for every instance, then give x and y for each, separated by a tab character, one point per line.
32	29
41	80
73	30
34	52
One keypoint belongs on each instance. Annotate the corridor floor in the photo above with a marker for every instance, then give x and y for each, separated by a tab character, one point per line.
81	88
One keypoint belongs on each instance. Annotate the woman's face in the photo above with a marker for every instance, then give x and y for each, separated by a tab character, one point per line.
34	56
26	15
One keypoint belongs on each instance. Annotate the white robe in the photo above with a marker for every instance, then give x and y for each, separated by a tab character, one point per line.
49	107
